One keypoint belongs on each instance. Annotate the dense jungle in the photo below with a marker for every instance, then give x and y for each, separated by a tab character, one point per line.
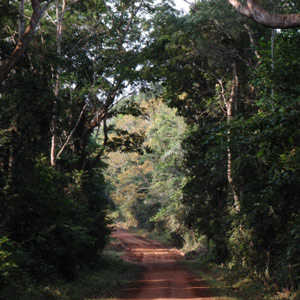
131	112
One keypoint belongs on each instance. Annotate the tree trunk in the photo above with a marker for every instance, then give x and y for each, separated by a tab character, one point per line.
10	164
59	17
53	145
21	24
229	157
229	102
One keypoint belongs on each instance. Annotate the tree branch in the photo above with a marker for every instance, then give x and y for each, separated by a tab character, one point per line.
105	132
71	133
258	14
24	40
21	19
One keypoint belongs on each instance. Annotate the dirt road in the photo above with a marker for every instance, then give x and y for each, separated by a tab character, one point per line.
162	278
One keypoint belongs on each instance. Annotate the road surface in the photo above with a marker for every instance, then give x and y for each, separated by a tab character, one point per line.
162	277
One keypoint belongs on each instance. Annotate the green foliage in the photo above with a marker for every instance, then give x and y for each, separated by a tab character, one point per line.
56	227
147	186
54	218
268	175
205	192
257	144
12	268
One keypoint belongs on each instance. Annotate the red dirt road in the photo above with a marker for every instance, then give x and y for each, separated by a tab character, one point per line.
162	278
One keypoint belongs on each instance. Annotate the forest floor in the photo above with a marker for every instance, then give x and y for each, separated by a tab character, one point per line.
162	277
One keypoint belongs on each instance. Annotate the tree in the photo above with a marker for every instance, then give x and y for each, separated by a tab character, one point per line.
104	60
264	173
77	69
237	97
164	136
146	186
214	58
129	173
54	214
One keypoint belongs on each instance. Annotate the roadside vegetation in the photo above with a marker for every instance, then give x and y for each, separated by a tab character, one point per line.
104	281
231	285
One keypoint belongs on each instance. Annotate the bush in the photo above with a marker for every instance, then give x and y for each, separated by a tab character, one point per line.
58	221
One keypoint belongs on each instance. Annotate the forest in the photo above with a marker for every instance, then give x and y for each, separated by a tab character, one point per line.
180	123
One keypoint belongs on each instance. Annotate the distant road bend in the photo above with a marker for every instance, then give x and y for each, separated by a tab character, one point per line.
163	278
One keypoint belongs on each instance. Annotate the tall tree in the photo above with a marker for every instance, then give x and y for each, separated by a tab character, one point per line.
232	92
214	58
112	49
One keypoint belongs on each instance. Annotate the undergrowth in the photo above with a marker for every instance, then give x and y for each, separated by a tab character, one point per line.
100	283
